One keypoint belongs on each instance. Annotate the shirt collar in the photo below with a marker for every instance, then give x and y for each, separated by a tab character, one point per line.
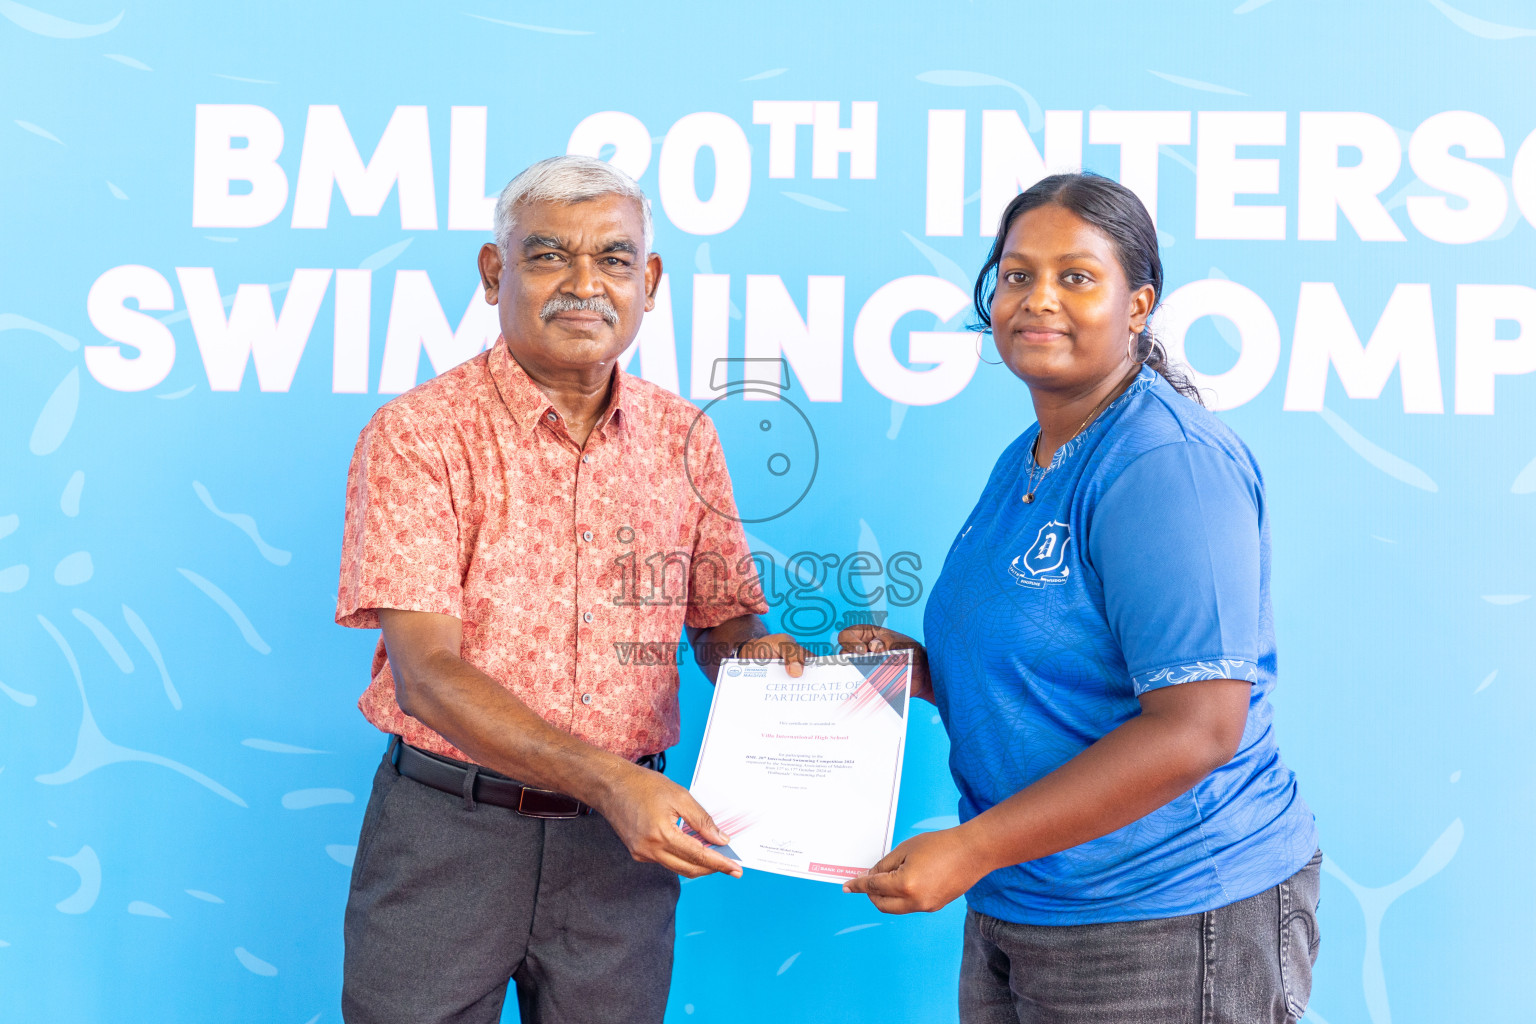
528	404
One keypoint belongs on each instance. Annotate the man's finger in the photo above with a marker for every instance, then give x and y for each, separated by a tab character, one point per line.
699	820
690	849
892	905
875	883
793	656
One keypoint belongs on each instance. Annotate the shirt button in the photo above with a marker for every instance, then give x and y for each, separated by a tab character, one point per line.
586	698
553	417
586	458
587	617
587	536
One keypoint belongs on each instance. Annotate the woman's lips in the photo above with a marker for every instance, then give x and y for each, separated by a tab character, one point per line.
1039	334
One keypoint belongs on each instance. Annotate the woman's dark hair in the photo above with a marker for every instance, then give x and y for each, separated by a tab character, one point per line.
1114	210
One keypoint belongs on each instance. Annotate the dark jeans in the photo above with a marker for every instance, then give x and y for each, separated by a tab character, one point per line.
1246	963
449	901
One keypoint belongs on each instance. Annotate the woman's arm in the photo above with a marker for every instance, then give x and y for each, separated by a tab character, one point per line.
1183	733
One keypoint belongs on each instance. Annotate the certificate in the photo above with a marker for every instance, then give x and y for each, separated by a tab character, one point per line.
803	774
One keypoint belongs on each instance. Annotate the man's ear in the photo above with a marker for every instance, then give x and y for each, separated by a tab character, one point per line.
652	280
490	271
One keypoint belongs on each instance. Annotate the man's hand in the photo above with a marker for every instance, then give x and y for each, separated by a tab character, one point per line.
777	647
644	809
867	639
923	874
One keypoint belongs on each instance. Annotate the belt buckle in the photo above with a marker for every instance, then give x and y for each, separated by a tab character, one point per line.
546	803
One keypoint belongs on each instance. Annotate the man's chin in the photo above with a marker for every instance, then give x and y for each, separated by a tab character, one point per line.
570	346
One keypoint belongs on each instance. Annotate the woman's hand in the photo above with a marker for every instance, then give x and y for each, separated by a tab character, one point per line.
866	639
923	874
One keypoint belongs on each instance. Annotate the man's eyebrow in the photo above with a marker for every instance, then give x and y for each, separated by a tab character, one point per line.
542	242
622	245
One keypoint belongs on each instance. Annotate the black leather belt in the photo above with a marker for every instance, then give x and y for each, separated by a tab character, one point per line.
481	785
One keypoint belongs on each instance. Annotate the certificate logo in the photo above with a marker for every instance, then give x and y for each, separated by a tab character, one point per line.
1045	561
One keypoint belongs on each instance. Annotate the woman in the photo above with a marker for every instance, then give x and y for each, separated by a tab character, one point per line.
1101	648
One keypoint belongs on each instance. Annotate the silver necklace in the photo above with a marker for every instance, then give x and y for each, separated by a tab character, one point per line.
1034	463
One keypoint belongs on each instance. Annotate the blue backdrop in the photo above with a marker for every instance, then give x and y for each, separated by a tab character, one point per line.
183	769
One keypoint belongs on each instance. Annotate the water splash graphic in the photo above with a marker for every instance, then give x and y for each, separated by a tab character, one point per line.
384	256
964	79
69	501
531	28
206	897
246	525
1195	83
856	928
26	700
58	415
13	578
16	322
813	202
141	909
230	608
88	866
44	24
253	963
304	799
93	750
341	854
74	569
1477	26
1374	903
104	637
9	525
274	747
128	61
1392	465
142	632
787	964
28	126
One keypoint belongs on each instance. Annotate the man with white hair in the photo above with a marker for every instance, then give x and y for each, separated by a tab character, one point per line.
511	526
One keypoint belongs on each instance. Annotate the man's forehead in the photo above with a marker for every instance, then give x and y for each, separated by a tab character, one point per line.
601	220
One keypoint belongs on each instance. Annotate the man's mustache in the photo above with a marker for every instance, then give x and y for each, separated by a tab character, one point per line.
571	304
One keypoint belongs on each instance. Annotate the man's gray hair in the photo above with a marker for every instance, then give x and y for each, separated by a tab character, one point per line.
566	179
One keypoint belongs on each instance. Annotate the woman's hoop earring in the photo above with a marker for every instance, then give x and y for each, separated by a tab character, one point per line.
980	340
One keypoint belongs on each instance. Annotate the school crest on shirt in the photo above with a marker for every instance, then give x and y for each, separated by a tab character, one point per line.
1045	561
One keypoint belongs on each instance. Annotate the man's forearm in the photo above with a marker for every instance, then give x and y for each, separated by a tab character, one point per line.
480	717
712	646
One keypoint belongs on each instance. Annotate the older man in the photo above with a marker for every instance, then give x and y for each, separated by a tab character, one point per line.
499	523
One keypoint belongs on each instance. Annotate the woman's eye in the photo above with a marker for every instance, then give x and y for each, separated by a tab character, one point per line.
1015	277
1075	277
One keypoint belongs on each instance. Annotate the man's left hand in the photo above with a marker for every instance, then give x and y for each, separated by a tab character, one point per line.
776	647
923	874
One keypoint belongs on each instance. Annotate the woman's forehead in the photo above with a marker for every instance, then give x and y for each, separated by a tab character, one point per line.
1053	232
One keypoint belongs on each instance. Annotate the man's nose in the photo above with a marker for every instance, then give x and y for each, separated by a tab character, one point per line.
583	280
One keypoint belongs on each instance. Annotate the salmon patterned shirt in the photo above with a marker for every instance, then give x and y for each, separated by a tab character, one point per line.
570	568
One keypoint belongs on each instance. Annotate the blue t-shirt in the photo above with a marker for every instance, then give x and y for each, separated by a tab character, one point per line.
1142	562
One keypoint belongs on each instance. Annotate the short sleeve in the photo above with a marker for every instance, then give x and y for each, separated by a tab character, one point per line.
400	548
723	581
1176	540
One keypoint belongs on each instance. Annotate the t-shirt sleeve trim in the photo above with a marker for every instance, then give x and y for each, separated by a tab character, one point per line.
1195	671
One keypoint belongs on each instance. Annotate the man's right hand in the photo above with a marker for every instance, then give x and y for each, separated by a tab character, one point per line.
868	639
644	809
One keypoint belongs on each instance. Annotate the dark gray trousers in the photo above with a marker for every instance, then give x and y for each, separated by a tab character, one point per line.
1246	963
450	900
